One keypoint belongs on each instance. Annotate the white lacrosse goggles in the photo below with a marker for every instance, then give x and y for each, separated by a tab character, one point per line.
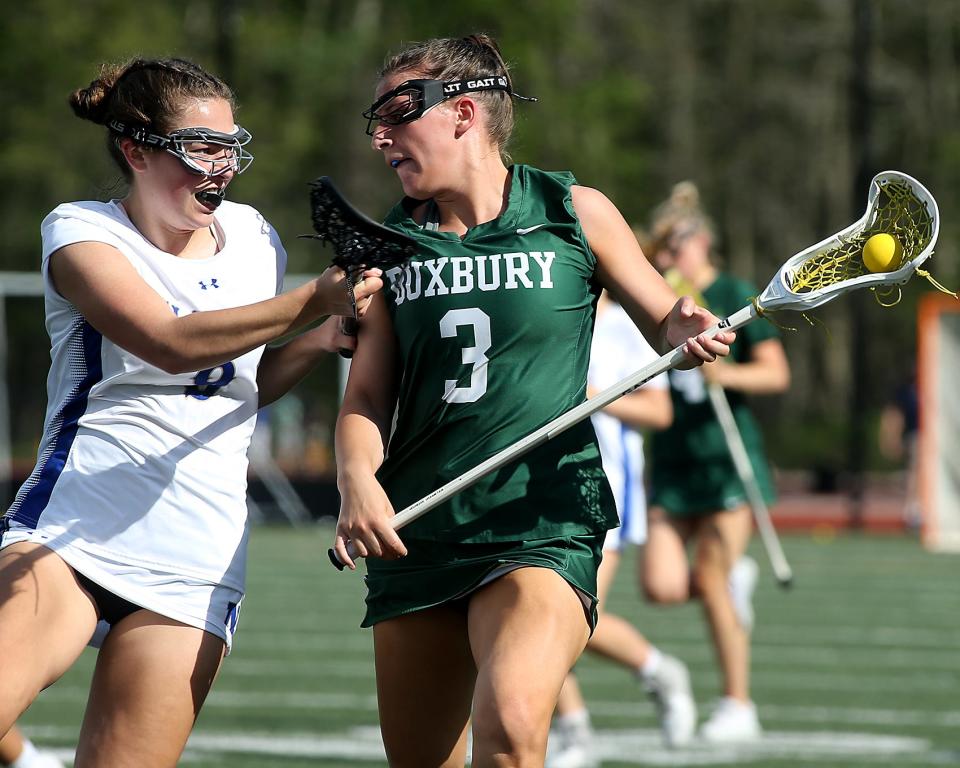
202	151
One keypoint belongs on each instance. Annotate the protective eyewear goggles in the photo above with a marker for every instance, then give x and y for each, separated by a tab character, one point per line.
202	151
412	99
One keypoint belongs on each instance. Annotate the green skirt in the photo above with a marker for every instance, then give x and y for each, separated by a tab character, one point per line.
712	487
434	573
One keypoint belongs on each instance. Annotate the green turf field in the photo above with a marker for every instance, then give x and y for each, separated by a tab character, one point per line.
859	665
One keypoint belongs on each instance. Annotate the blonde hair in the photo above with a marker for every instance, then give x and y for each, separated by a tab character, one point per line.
680	215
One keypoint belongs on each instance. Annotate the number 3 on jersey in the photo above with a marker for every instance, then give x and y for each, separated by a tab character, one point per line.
474	356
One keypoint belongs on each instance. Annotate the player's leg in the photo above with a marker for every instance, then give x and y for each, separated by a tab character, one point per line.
571	735
615	638
527	628
721	539
151	678
664	569
11	746
17	751
46	619
425	677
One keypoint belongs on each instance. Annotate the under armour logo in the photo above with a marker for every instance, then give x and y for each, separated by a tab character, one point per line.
213	284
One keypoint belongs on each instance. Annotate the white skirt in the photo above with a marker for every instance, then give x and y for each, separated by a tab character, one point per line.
214	608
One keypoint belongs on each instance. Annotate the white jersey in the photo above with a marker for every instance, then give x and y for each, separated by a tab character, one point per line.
138	466
618	350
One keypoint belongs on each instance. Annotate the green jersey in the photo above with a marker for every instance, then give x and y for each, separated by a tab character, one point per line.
493	332
694	446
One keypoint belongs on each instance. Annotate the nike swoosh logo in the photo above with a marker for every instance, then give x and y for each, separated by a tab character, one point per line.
528	230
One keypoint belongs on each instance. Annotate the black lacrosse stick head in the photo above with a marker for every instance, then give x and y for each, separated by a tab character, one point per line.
358	241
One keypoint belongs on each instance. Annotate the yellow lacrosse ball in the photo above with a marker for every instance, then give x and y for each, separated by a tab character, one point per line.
881	253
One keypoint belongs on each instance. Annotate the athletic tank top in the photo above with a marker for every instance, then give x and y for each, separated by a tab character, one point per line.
135	464
493	331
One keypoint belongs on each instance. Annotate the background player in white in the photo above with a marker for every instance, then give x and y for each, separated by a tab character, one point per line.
619	349
158	307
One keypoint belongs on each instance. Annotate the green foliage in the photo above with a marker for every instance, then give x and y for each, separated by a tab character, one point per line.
750	100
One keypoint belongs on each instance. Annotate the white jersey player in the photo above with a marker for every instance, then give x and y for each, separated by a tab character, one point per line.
619	350
155	462
158	307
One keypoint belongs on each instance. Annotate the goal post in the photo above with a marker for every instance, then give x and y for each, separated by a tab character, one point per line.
938	366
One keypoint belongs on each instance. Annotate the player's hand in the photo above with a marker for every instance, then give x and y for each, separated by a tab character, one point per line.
331	338
333	296
685	325
365	513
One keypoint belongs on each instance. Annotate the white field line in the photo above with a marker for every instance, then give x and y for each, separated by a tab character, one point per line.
362	702
325	668
635	747
804	680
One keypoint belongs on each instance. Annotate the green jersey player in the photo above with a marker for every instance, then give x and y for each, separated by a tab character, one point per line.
485	336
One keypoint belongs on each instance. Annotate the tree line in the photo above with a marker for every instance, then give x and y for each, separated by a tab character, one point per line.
775	110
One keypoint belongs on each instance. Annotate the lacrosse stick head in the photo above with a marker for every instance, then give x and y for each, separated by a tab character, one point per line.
358	241
898	205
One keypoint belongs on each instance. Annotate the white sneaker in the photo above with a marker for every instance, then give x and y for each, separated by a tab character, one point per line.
40	759
743	580
571	748
732	721
669	687
572	756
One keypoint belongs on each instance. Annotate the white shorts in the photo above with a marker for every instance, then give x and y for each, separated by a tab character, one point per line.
210	607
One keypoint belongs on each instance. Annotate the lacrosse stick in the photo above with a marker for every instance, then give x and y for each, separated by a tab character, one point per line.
896	204
358	241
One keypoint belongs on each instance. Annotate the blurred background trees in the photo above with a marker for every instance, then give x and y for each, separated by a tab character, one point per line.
775	110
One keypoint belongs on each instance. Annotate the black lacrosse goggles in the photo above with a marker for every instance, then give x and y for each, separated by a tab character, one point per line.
412	99
202	151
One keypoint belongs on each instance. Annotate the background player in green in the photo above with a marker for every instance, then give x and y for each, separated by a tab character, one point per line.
489	599
696	494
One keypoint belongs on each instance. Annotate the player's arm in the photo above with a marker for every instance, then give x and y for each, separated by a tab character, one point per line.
362	433
644	408
767	372
624	271
282	367
106	289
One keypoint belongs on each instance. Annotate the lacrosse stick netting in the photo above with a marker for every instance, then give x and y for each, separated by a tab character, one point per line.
358	241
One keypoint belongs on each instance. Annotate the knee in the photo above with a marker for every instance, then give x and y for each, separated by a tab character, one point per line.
663	591
710	583
512	733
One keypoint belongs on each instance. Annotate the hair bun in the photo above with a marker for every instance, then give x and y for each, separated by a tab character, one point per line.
685	195
90	103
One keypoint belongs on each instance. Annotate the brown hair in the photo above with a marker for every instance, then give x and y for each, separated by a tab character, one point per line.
149	93
460	58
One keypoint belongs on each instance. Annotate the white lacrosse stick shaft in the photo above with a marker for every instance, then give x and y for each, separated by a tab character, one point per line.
553	428
744	468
